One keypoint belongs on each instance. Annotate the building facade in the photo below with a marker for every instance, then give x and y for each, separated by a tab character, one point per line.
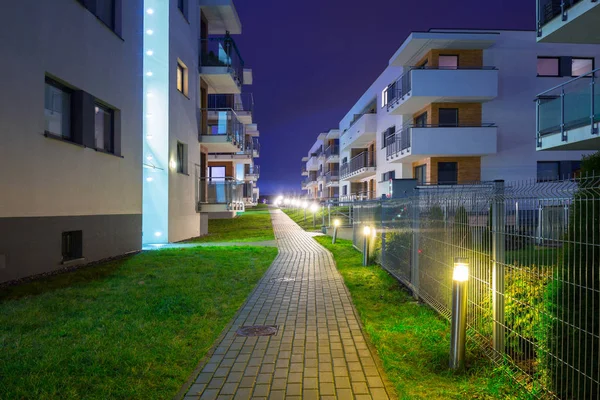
453	107
568	113
321	167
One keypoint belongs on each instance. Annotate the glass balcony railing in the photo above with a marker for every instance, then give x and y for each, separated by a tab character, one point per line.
356	163
223	122
395	91
333	150
252	147
220	191
236	102
253	170
547	10
222	52
571	105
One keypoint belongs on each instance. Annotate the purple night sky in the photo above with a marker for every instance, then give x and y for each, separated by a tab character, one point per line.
313	59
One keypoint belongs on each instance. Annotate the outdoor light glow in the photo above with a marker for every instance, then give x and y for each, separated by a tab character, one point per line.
149	179
286	201
149	73
366	231
149	158
336	222
305	205
158	234
172	164
150	11
149	94
149	52
314	207
149	31
461	270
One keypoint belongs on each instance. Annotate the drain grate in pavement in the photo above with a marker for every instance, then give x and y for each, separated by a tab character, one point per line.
257	330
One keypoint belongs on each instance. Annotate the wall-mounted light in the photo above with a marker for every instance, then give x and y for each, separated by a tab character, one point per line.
149	52
149	73
150	11
149	32
158	234
173	164
149	179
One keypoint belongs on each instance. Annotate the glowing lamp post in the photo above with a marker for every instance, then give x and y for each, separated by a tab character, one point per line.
336	223
367	235
314	208
460	278
305	206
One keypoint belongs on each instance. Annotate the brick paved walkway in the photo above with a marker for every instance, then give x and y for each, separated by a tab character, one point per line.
320	350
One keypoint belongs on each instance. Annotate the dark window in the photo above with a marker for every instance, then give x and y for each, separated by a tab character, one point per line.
421	120
581	66
105	11
448	117
104	128
182	158
344	190
389	136
448	62
548	66
72	245
388	175
57	109
555	170
421	174
182	6
447	173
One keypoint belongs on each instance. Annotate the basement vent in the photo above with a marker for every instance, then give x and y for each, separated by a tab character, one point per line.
257	330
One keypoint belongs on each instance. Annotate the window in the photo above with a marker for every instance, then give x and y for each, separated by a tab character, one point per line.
344	190
72	245
421	120
103	9
388	175
448	62
57	109
182	158
104	132
447	173
182	6
182	78
216	173
555	170
581	66
388	136
548	66
448	117
421	174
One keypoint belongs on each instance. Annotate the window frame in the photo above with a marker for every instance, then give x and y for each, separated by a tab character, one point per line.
109	110
65	89
441	125
449	55
420	171
68	251
181	157
181	67
583	58
182	6
453	182
559	69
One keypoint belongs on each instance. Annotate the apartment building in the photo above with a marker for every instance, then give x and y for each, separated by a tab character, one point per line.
321	167
453	106
568	112
71	117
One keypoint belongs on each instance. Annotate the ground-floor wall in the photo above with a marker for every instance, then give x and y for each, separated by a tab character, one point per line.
34	245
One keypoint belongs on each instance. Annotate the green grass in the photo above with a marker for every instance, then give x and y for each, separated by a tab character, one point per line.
251	226
297	216
411	339
130	328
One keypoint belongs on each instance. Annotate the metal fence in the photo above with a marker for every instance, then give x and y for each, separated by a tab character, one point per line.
534	285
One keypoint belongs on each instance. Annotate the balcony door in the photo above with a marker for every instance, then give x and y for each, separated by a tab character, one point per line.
447	173
421	174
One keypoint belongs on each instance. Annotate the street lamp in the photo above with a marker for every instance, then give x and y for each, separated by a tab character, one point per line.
366	234
336	223
314	207
305	206
460	278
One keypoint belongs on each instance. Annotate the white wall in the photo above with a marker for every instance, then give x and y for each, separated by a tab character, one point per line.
45	177
184	221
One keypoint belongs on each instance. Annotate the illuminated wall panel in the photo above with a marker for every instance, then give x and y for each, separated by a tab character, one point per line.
155	219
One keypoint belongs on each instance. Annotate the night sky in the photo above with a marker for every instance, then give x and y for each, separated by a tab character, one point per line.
313	59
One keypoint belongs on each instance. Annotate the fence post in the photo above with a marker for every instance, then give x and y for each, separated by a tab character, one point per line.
414	270
498	247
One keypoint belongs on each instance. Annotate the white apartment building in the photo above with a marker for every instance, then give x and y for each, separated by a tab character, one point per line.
321	167
454	106
71	120
110	137
568	113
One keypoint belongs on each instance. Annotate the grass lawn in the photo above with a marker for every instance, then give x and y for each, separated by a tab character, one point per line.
297	216
411	339
133	328
251	226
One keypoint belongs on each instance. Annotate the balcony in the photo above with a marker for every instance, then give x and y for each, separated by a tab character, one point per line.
304	171
358	168
251	151
568	115
421	86
252	130
224	131
332	154
313	162
310	181
332	178
242	104
252	172
568	21
221	65
220	195
361	132
412	143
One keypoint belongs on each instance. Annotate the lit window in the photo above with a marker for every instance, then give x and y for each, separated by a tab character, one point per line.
182	78
448	62
104	133
548	66
581	66
57	113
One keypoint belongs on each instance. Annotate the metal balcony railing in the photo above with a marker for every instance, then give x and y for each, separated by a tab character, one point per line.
252	147
547	10
332	176
333	150
571	105
220	191
403	85
356	163
253	170
236	102
222	52
223	122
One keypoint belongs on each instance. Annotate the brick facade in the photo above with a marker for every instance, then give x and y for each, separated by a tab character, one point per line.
469	114
469	168
466	58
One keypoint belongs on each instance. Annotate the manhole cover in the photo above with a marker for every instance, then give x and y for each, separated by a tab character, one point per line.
257	330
